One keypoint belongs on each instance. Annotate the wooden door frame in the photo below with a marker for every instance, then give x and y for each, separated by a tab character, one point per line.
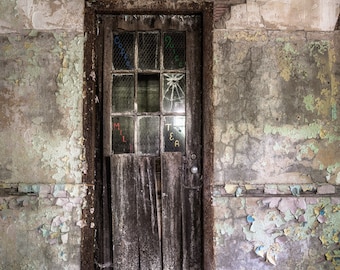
92	110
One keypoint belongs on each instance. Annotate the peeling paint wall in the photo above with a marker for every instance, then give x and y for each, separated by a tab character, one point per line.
279	116
277	233
277	139
41	139
40	227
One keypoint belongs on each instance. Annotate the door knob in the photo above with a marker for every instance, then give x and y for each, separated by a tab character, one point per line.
194	169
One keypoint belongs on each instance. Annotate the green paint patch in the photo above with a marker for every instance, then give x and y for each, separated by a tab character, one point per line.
318	47
301	133
289	49
279	148
334	112
332	168
223	228
307	151
332	137
323	103
288	62
309	102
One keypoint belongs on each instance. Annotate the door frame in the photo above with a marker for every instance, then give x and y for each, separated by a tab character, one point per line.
92	124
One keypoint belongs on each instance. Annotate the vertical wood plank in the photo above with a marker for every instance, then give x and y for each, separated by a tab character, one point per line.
106	214
192	228
107	84
192	198
171	211
149	242
124	213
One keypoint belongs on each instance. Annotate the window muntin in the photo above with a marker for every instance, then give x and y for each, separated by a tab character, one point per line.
148	92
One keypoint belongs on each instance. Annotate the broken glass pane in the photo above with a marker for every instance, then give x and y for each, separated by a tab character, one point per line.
174	92
174	134
148	50
123	51
148	93
148	135
174	50
122	93
122	135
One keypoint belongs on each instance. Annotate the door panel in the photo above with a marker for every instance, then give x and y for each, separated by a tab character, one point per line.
136	240
152	136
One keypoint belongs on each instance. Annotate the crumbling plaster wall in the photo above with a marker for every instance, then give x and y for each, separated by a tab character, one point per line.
277	139
41	140
275	188
291	15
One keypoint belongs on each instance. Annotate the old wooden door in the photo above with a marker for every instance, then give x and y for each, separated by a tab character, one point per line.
152	138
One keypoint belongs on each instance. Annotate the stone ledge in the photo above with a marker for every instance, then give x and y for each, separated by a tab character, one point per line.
43	190
272	190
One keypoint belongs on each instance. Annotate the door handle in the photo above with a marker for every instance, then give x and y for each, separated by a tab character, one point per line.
194	169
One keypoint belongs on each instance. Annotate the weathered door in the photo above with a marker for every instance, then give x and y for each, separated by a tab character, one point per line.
152	138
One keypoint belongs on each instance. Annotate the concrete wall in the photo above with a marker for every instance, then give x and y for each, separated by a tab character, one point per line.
276	133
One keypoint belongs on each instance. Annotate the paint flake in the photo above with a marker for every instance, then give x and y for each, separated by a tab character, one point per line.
260	251
295	190
272	202
230	189
250	219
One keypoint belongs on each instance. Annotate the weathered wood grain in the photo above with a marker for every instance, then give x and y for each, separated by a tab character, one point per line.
149	242
106	214
124	213
171	211
192	228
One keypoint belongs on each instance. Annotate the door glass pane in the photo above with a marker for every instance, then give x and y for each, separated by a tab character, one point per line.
174	92
148	135
123	50
122	93
148	50
174	134
148	93
174	50
122	135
